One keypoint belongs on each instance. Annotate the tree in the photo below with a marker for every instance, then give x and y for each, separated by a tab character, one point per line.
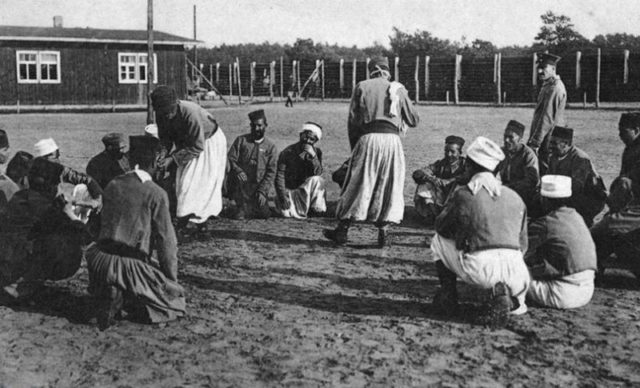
479	49
419	43
558	34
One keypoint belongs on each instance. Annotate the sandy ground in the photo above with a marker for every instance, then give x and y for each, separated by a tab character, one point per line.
271	303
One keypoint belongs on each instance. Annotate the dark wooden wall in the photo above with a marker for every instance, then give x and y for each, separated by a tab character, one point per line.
89	74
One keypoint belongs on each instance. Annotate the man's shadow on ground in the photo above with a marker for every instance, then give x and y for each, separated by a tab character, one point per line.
78	308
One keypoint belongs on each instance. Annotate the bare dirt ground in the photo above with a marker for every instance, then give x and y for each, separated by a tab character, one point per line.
271	303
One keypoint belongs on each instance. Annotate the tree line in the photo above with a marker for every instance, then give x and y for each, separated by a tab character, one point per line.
557	34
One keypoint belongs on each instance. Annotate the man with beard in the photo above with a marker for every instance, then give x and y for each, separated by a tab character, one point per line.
481	236
111	162
587	195
519	169
195	155
549	110
252	160
299	186
436	181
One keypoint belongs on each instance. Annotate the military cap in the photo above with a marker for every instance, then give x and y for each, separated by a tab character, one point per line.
163	96
548	59
114	139
562	133
516	127
452	139
257	114
378	63
629	120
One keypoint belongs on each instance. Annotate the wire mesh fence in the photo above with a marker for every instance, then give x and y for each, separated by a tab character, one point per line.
592	78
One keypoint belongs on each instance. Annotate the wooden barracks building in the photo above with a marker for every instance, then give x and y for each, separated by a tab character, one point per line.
85	66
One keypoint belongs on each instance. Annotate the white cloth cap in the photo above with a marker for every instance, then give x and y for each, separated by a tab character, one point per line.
151	130
555	186
485	152
315	128
45	147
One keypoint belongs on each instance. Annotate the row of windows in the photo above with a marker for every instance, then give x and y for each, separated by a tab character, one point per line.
44	67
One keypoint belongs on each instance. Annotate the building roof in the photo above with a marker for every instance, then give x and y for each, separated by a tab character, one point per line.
89	35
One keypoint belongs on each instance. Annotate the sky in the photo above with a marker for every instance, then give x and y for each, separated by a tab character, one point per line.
345	22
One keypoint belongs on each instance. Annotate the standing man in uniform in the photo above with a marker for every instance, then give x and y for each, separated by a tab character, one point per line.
199	155
549	110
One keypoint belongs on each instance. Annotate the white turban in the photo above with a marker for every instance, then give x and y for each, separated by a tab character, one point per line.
485	152
151	130
555	186
314	128
45	147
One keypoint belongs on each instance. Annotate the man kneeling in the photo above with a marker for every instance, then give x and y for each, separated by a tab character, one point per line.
135	221
299	186
481	236
562	254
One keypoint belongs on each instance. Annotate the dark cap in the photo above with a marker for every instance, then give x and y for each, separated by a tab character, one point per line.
44	174
629	120
257	114
548	59
516	127
144	145
114	139
163	96
378	63
4	140
562	133
452	139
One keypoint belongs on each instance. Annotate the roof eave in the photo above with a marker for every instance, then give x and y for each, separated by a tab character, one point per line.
189	43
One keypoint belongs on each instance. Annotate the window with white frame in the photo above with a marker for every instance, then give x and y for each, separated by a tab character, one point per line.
38	66
132	68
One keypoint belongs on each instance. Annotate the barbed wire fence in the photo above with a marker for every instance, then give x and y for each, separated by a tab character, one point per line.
590	79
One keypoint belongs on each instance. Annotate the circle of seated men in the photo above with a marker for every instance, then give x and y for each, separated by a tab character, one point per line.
501	223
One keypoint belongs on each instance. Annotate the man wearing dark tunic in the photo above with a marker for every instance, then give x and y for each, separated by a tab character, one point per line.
437	180
135	222
549	110
252	160
519	169
111	162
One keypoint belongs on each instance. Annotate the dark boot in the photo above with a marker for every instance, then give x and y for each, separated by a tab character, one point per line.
500	305
446	299
111	304
339	234
384	239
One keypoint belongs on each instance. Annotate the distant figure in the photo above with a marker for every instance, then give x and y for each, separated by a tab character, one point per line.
561	255
299	186
196	154
111	162
252	162
380	111
549	110
588	191
519	169
289	102
437	180
135	222
618	232
7	186
481	236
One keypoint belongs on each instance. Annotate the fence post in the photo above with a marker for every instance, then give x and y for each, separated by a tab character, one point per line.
281	78
426	76
416	78
456	79
578	69
367	68
396	70
341	76
298	79
534	77
497	75
625	74
252	78
211	72
272	79
598	78
217	73
231	73
353	80
322	69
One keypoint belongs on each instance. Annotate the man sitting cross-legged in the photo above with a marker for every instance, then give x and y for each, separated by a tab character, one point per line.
299	186
481	235
135	221
561	254
436	181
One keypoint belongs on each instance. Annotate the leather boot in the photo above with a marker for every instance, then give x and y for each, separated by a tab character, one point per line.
112	300
446	299
339	234
384	239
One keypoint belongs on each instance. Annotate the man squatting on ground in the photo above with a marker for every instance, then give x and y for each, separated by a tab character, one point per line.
299	186
619	230
198	159
252	160
481	236
111	162
561	255
519	169
437	180
136	221
549	111
373	189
